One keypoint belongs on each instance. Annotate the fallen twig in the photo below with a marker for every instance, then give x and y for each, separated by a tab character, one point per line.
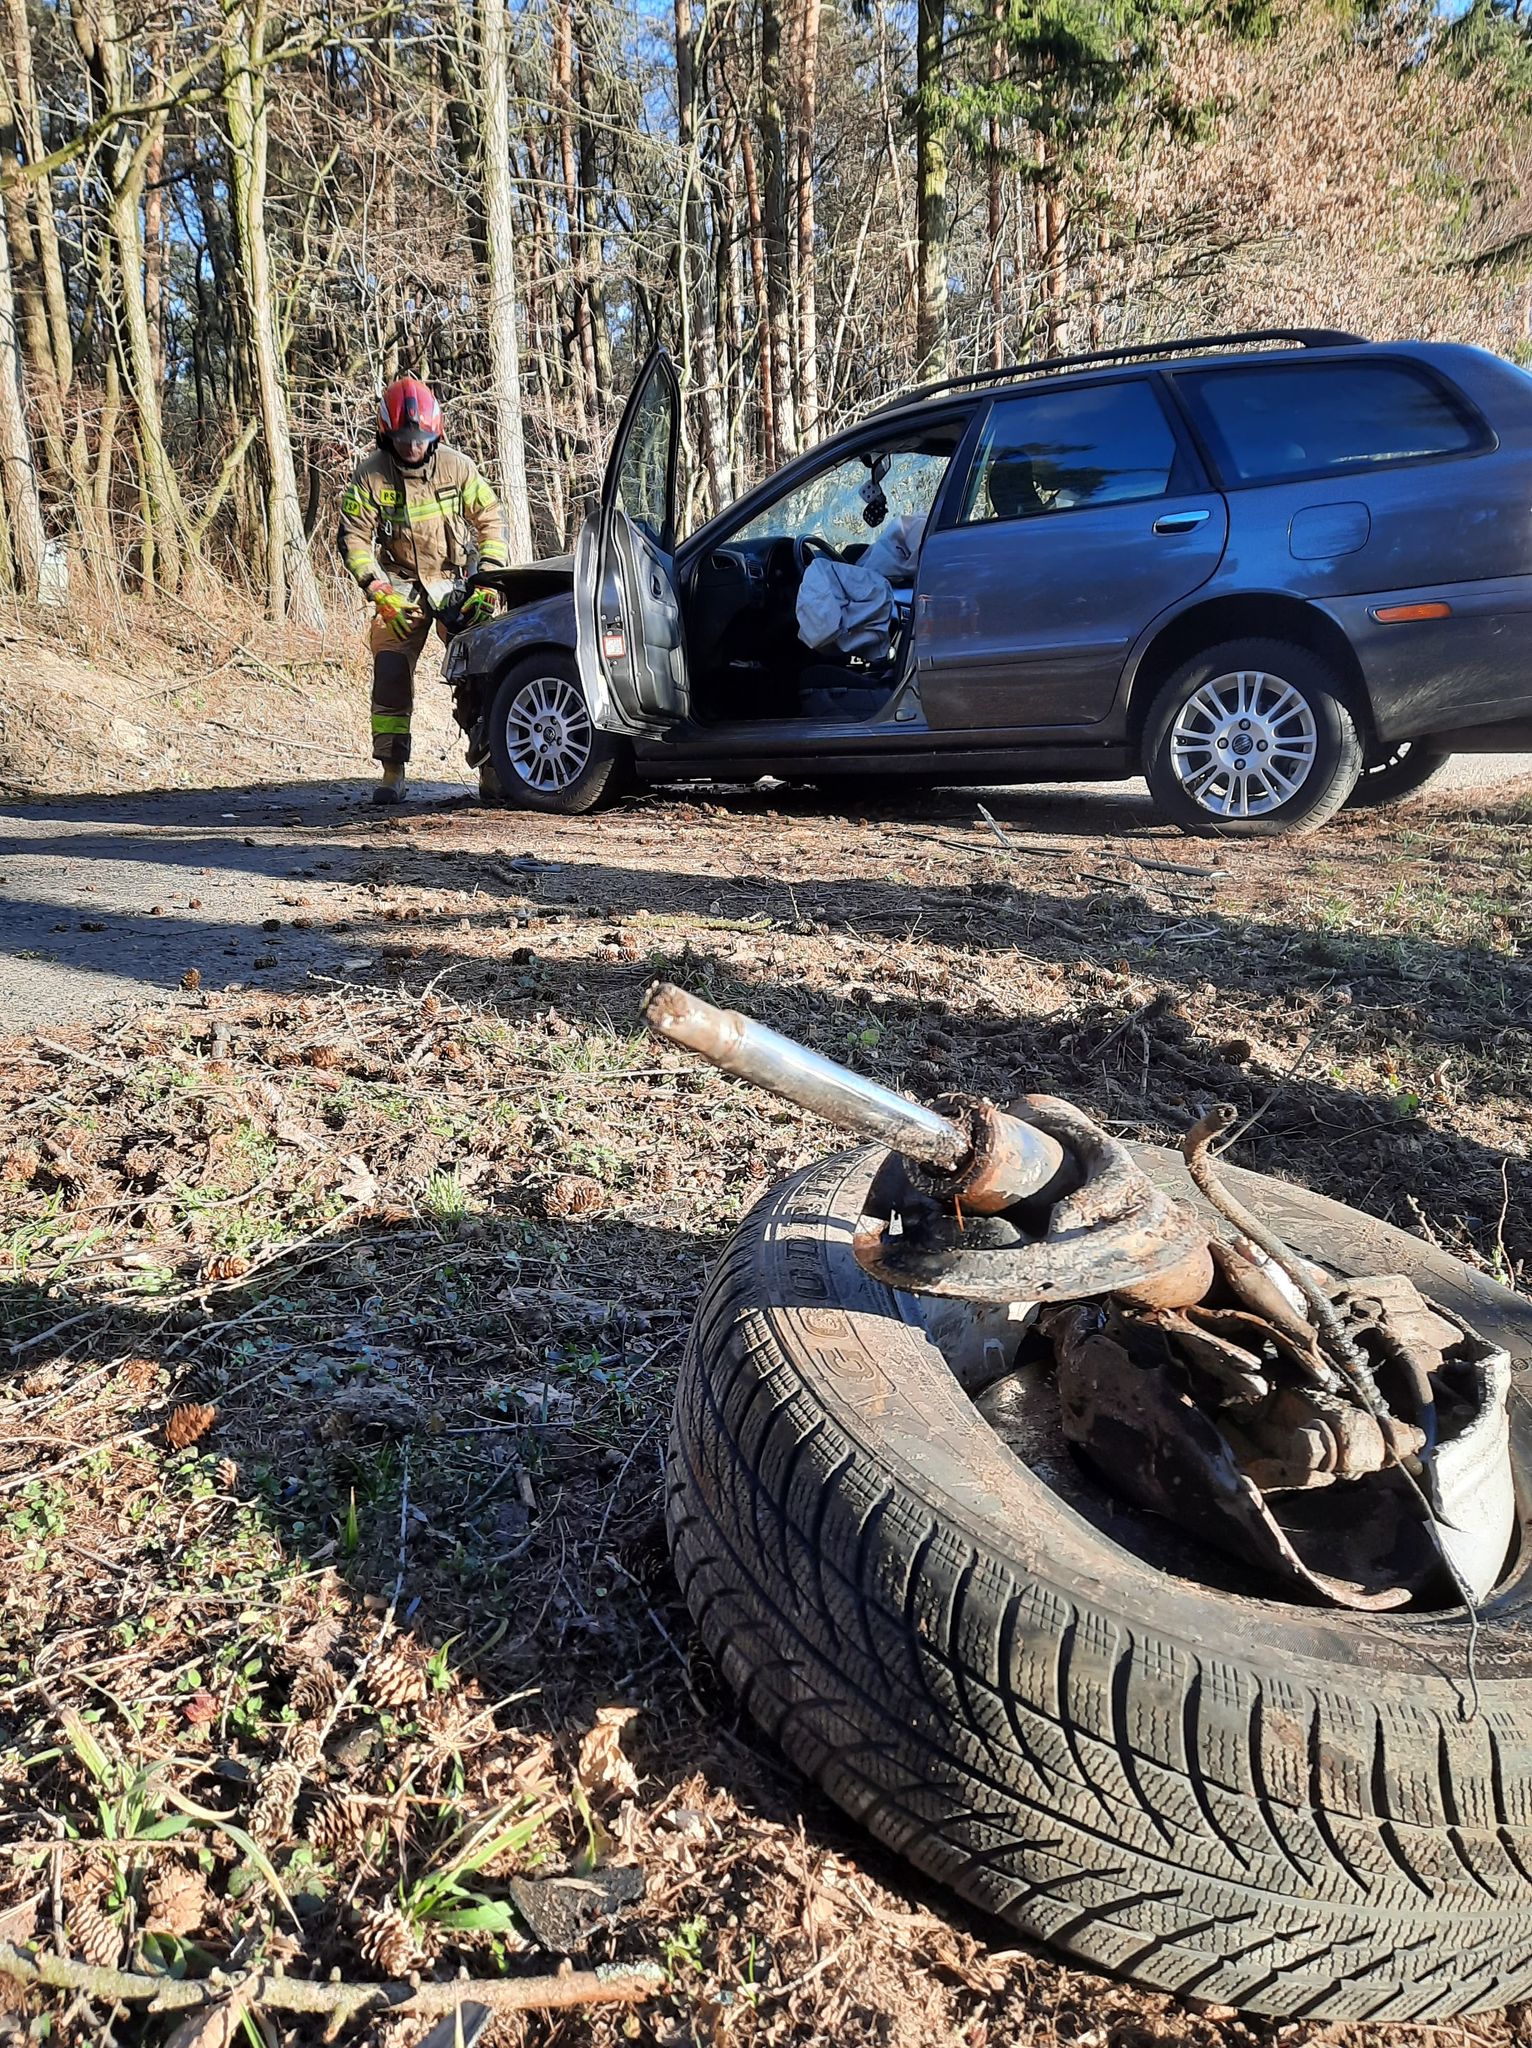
609	1984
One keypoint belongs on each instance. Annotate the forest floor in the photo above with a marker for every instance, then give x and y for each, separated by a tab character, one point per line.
344	1306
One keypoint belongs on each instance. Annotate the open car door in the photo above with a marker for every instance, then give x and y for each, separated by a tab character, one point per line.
629	640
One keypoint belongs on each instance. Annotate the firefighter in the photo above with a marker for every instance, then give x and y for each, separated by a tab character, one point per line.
417	518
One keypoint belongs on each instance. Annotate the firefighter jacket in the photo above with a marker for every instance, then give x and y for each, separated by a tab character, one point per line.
429	526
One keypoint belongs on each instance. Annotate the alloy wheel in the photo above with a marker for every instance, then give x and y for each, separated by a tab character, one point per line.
548	733
1244	744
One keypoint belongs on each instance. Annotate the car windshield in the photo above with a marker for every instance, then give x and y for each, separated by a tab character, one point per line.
848	500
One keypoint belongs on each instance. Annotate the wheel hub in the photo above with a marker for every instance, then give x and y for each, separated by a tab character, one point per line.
548	733
1243	745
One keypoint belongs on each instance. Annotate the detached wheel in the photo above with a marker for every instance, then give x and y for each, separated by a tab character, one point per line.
1390	774
1252	738
1003	1674
547	754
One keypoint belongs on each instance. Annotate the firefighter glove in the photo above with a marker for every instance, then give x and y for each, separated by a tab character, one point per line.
396	610
477	607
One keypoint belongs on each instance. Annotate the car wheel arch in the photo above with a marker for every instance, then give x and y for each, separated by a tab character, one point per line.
1265	615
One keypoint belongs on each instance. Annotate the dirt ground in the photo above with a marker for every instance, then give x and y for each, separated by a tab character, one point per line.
342	1313
191	695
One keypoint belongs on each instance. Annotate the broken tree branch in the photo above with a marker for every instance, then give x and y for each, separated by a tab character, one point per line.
610	1984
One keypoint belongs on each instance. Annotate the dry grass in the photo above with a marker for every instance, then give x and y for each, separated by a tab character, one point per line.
428	1247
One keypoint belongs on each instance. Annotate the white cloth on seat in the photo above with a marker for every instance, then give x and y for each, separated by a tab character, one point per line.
847	606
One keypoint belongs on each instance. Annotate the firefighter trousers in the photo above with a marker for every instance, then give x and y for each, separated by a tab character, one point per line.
393	686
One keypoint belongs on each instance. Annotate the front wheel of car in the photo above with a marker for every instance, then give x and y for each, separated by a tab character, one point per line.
1252	738
547	753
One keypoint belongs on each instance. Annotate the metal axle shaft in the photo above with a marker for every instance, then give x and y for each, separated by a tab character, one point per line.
987	1161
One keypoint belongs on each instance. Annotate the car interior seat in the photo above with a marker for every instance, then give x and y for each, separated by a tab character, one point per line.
1012	487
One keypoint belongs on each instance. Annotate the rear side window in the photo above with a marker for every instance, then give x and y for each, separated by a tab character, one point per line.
1098	444
1265	424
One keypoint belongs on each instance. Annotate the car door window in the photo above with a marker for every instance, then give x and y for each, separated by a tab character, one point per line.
1270	424
1055	451
643	477
833	503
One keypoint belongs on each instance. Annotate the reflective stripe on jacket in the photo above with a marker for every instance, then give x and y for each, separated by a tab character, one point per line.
427	525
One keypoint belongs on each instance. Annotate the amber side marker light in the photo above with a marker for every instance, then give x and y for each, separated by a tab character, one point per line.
1402	614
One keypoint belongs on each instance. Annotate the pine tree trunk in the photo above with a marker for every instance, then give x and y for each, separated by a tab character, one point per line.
582	354
500	235
808	311
931	217
771	450
779	286
292	589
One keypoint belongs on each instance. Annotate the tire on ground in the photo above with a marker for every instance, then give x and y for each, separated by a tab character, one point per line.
1338	757
1286	1809
1389	774
608	771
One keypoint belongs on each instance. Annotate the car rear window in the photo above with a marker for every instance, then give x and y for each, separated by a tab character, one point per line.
1265	423
1053	451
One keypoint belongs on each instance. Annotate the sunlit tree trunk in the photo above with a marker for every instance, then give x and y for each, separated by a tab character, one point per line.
500	236
18	480
291	586
931	214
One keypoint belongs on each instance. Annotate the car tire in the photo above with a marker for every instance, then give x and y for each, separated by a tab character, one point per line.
1292	1810
539	726
1297	703
1391	774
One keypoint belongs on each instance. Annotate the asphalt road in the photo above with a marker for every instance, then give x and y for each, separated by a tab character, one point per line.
112	900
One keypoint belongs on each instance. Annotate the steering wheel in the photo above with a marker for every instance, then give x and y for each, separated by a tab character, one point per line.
806	546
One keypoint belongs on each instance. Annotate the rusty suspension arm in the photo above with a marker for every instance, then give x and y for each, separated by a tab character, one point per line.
978	1157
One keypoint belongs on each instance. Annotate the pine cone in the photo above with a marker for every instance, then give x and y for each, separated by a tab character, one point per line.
387	1941
302	1745
188	1422
315	1690
396	1679
177	1901
337	1823
271	1817
204	1382
226	1474
573	1194
96	1934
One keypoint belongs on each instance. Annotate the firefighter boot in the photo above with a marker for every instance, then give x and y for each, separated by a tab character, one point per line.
490	790
391	789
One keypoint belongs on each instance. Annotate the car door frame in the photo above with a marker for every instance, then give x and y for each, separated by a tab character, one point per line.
1197	478
598	620
780	736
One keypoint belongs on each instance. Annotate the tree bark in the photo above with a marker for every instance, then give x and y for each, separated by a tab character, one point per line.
292	589
500	235
931	216
808	315
18	480
779	287
771	450
582	354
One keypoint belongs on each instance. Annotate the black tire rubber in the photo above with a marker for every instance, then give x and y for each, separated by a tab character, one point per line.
607	775
1337	764
1391	774
1291	1810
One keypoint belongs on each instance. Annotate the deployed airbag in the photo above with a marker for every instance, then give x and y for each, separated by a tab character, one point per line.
847	606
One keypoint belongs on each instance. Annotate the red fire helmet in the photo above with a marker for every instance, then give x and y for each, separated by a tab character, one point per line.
409	421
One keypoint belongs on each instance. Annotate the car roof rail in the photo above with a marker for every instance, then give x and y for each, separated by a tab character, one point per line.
1296	337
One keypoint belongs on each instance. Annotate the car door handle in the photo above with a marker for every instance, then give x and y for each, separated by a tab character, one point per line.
1180	522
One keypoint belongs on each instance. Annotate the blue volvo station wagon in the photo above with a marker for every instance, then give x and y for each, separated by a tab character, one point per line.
1271	572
